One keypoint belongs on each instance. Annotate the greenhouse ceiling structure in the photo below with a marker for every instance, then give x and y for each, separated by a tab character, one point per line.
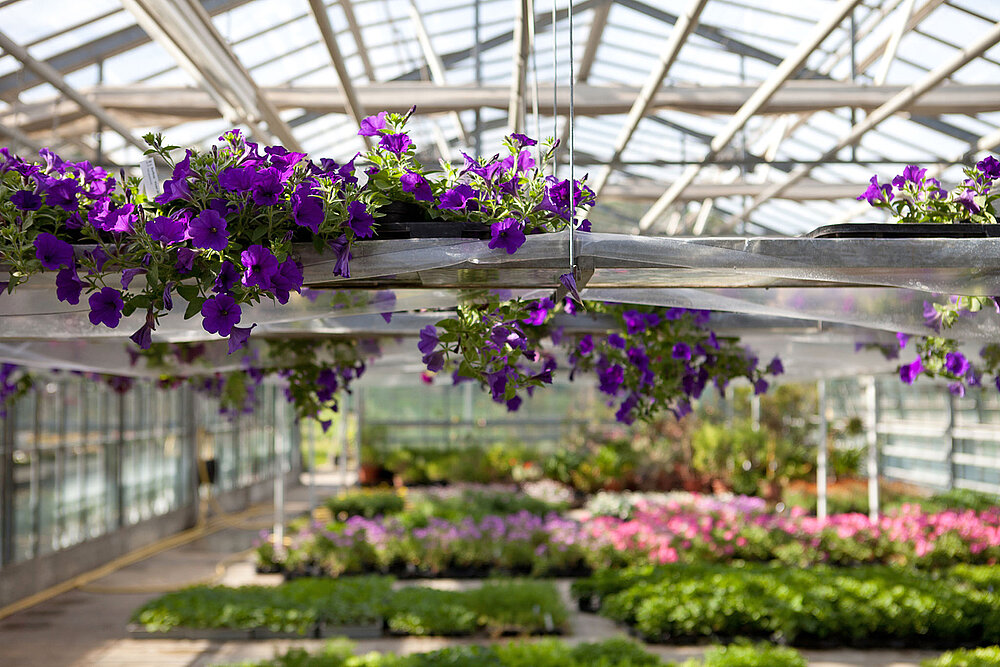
695	121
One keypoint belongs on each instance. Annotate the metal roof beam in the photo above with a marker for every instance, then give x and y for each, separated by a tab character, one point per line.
359	40
354	107
95	51
788	67
989	39
47	73
186	31
183	103
519	68
644	100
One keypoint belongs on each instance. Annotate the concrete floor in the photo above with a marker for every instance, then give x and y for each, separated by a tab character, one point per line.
88	626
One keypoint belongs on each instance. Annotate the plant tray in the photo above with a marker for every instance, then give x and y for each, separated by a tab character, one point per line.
855	230
138	631
429	229
360	631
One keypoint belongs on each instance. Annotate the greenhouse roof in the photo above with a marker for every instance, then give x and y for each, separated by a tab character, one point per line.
691	117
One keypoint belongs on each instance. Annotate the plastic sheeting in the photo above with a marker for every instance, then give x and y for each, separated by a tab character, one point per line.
864	288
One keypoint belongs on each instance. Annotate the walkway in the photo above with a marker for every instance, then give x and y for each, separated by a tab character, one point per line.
87	626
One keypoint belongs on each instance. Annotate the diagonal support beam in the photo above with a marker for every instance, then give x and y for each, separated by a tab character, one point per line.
186	31
597	26
47	73
644	102
788	67
354	108
355	28
901	100
522	46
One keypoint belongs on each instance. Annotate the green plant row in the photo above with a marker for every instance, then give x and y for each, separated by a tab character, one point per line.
618	652
875	605
988	656
419	507
497	608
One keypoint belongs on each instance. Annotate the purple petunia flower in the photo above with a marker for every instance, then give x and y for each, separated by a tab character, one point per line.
53	253
586	345
26	200
61	193
911	174
989	166
307	209
417	185
616	341
395	143
359	220
610	379
267	187
106	307
220	314
909	372
371	125
69	285
428	339
956	363
239	336
259	266
514	403
760	387
237	179
932	316
143	337
434	361
166	230
876	193
957	389
681	350
507	234
776	367
287	279
967	200
522	140
343	250
903	339
208	230
458	197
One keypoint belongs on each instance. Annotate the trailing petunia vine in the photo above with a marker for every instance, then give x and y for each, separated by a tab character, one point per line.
221	235
653	359
913	197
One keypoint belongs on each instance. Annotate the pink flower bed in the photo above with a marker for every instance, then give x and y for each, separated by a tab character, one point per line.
670	532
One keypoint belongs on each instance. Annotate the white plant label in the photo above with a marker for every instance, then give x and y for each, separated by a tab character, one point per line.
150	180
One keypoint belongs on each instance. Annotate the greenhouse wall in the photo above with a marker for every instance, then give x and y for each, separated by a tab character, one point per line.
88	474
929	437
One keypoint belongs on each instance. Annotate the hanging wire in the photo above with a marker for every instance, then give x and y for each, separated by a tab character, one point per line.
572	181
534	81
555	91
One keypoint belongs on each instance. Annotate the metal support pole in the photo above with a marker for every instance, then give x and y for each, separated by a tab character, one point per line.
871	440
278	447
342	441
950	440
755	412
359	409
312	465
821	454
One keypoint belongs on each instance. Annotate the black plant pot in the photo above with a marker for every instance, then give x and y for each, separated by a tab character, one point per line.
959	230
406	220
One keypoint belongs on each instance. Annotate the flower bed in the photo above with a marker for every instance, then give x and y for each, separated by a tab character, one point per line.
988	656
662	528
321	606
874	606
546	653
671	531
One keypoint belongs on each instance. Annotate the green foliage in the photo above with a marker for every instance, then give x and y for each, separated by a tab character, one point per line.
987	656
744	458
295	606
507	607
498	607
852	606
760	654
365	502
545	653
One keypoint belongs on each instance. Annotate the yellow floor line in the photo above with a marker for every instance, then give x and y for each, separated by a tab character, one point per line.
212	525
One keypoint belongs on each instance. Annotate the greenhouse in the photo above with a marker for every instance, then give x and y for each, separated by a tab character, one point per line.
493	332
